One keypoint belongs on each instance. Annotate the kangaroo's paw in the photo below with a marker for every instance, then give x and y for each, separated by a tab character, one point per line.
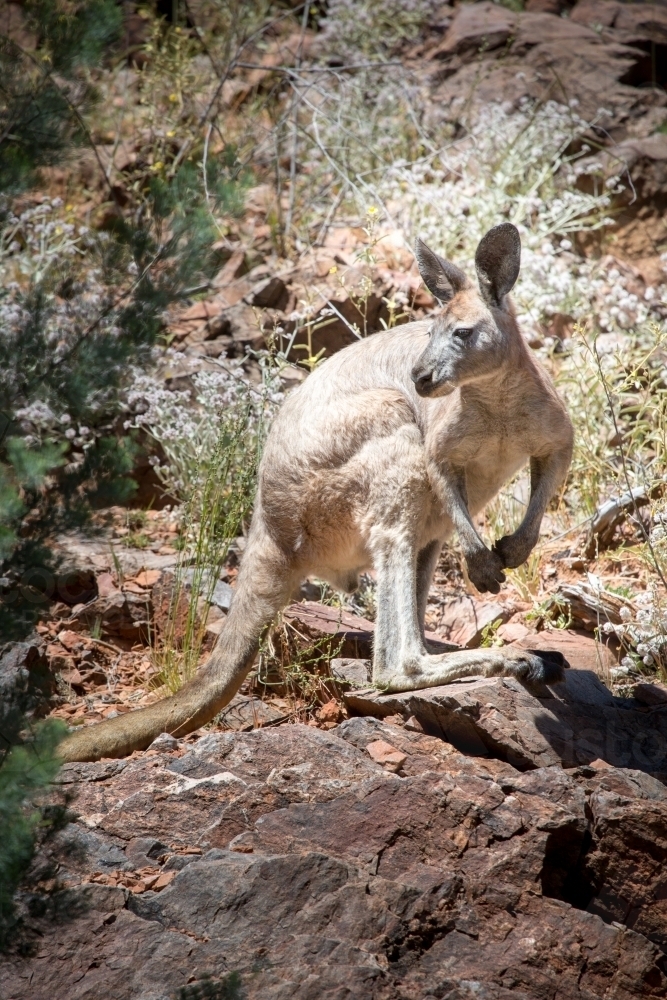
485	570
544	666
513	550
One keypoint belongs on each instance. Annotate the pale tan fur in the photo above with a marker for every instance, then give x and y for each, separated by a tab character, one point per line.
384	451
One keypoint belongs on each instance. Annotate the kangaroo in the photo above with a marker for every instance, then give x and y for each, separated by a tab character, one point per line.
382	452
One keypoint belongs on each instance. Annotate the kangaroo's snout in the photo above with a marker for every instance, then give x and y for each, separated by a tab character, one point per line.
421	376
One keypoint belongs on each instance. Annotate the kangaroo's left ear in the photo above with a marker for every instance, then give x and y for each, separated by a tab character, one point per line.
442	278
498	260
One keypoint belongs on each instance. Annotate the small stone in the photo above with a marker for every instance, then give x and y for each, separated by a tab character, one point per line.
385	753
72	676
600	765
653	693
165	741
163	880
148	577
70	640
330	712
413	724
513	632
352	672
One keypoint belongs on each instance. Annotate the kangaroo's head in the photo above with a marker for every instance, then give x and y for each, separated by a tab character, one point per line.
469	338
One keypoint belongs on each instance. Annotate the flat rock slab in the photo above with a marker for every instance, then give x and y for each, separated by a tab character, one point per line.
244	713
465	619
573	723
295	858
580	650
351	635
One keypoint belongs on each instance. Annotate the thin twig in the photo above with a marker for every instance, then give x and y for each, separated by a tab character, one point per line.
231	66
626	474
317	69
295	134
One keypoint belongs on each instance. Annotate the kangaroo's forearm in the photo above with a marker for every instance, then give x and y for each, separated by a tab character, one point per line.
449	485
547	474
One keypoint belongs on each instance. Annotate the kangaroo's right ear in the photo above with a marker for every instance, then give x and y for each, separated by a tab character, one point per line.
441	278
498	260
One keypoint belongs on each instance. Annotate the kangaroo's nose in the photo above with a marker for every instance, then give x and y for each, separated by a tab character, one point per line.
421	376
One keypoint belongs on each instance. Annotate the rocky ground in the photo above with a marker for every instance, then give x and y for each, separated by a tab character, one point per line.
325	841
372	860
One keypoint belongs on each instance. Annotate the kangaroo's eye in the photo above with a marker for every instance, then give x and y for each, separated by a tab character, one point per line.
463	332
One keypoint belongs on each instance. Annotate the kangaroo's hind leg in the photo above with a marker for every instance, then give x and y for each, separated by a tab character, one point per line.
401	661
427	560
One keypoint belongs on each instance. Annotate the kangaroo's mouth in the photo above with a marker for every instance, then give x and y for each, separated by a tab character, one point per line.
430	385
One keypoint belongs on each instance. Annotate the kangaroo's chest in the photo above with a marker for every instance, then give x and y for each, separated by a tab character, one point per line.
491	449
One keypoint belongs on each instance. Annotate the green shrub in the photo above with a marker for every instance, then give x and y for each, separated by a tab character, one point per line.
25	771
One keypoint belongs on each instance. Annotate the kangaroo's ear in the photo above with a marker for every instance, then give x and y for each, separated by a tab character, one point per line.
498	260
440	277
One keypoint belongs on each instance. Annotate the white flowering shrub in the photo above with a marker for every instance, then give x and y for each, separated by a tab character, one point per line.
51	310
514	166
645	632
511	165
35	238
187	425
369	27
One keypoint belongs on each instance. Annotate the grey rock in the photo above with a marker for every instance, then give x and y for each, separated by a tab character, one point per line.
271	293
165	741
26	685
351	672
572	723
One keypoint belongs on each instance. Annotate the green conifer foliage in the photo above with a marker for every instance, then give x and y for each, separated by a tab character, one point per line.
43	96
25	771
71	330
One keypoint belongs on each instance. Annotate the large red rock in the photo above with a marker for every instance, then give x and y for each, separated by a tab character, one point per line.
458	877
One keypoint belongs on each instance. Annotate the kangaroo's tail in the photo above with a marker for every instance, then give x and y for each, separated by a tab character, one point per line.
264	587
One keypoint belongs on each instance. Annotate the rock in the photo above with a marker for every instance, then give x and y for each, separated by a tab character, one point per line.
544	6
386	754
271	293
477	26
165	741
96	554
353	634
106	585
240	323
572	723
637	23
222	596
222	593
490	53
120	616
595	12
650	693
234	268
514	632
76	586
304	865
465	620
148	577
330	712
70	640
219	345
580	650
541	29
244	714
352	673
26	684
